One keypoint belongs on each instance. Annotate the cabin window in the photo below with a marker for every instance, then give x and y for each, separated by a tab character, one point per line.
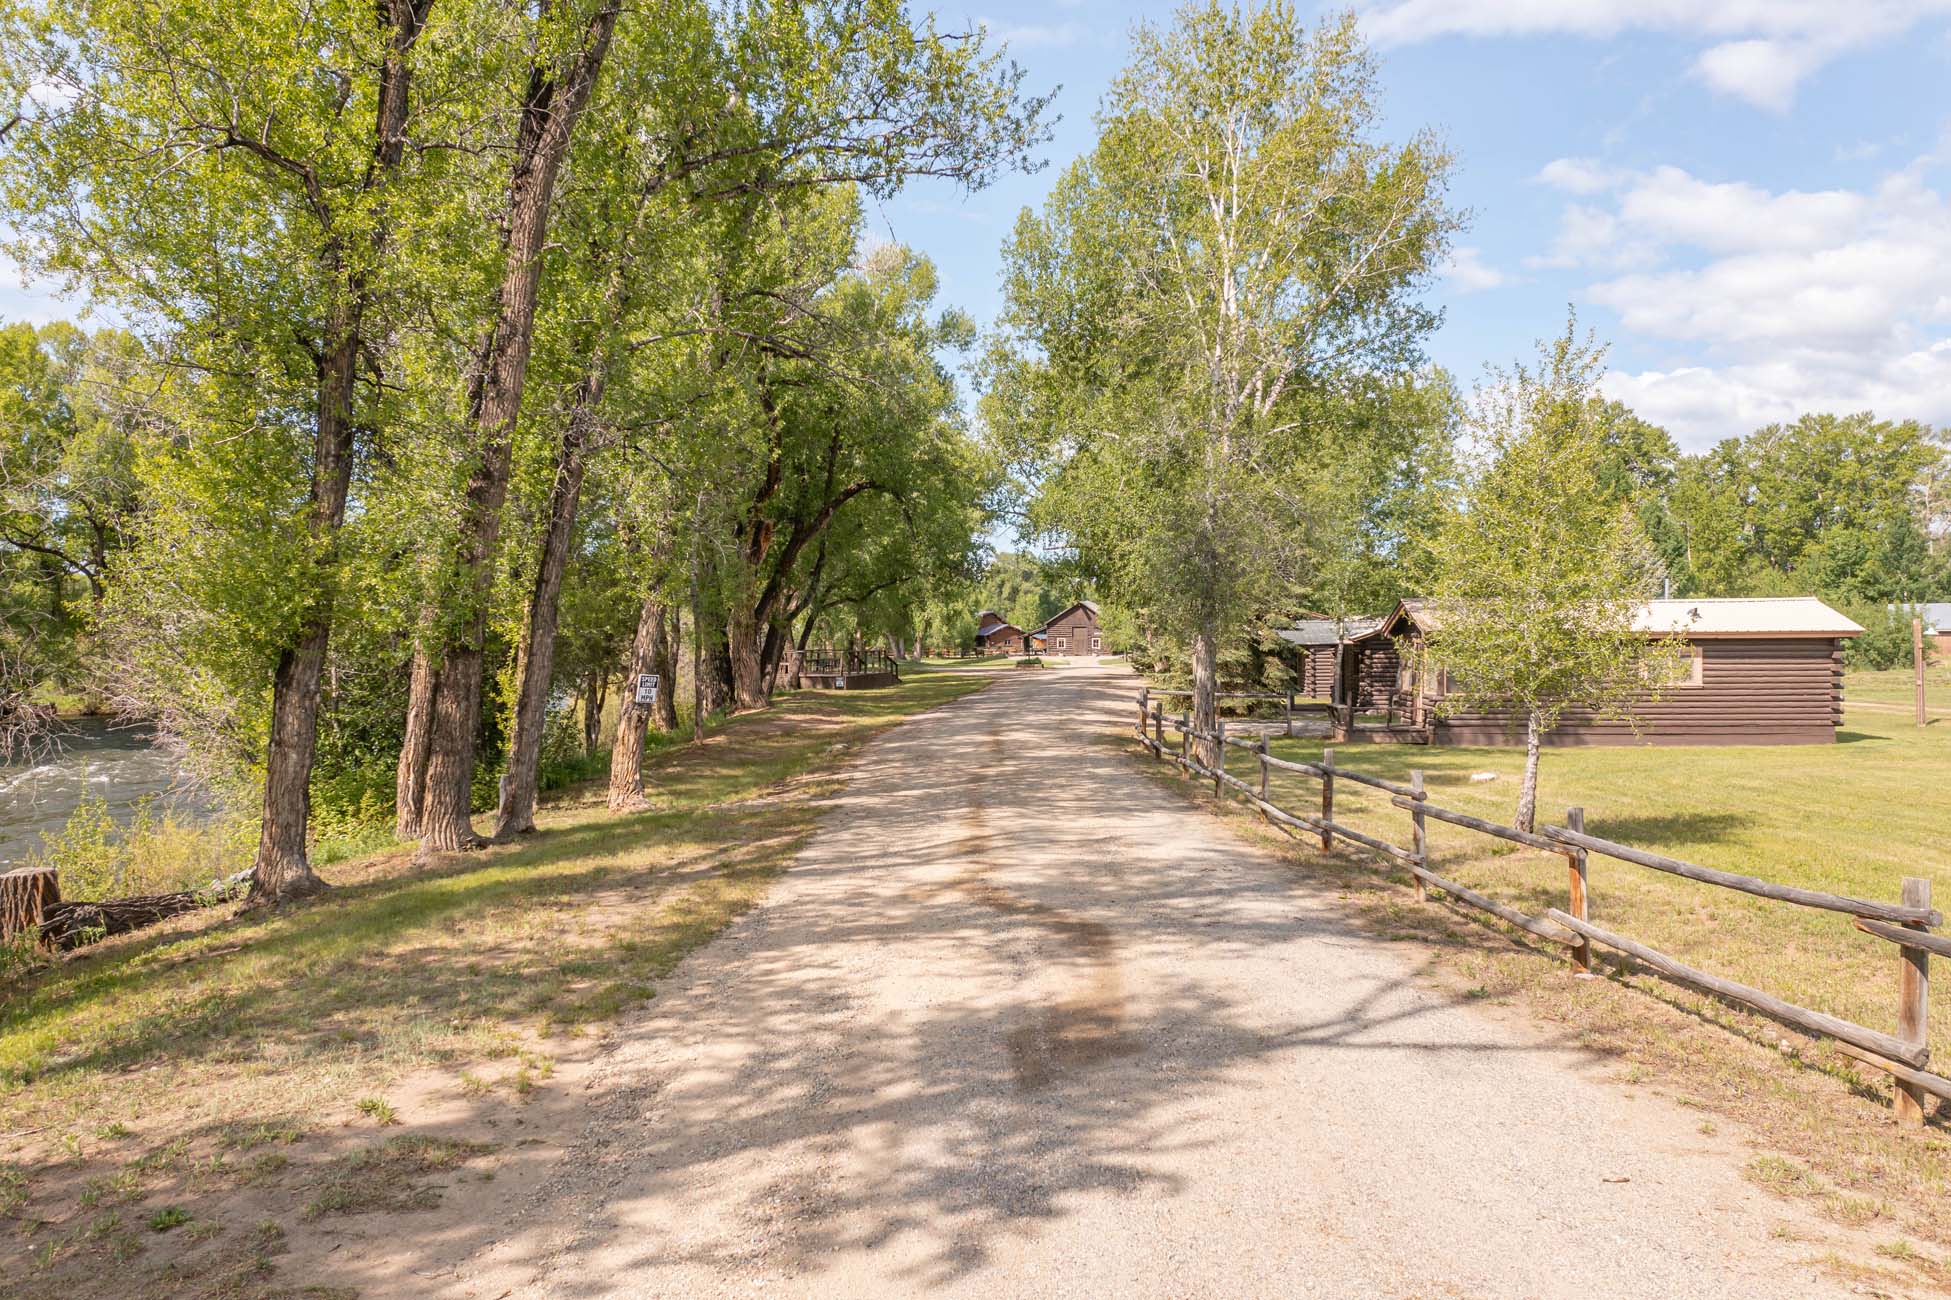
1062	645
1097	643
1688	671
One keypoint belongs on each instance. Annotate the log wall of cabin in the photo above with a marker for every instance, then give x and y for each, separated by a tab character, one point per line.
1753	691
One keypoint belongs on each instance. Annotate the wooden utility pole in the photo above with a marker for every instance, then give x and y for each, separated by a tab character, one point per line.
1917	663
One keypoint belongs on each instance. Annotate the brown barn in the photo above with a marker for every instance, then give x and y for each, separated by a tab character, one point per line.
1073	632
1766	671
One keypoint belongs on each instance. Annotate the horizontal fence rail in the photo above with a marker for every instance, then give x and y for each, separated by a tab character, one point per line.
1748	884
1801	1017
1902	1055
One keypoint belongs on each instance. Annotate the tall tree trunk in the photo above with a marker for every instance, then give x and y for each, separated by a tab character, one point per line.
776	638
410	780
1527	792
717	674
697	670
555	98
805	637
593	696
1205	692
627	754
744	653
282	870
664	664
535	667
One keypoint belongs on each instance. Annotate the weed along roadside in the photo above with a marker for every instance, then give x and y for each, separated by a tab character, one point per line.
1760	955
256	1072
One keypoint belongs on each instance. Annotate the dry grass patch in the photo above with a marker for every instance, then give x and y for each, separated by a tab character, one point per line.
390	1176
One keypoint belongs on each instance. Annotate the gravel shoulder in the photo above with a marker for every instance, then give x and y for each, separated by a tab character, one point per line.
1017	1023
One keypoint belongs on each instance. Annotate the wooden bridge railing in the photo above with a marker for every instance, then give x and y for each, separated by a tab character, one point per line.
1907	923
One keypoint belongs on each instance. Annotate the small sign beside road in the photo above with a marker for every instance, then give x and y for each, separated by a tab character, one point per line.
646	688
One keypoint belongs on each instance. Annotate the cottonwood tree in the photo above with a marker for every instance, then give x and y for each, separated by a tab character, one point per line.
1236	241
237	180
1541	577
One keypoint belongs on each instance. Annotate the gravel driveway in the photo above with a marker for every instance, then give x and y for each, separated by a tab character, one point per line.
1020	1024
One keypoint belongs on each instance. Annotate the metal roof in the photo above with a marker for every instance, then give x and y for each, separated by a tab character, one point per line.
1326	631
1747	616
1707	616
1936	614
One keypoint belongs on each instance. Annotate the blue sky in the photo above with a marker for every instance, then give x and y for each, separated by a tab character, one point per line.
1746	198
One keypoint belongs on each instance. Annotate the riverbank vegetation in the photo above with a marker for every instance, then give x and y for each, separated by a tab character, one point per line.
470	362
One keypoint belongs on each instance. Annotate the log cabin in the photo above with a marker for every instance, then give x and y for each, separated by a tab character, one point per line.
1757	671
1315	645
1001	638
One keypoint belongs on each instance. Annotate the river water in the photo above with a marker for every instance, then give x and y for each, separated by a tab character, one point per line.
120	764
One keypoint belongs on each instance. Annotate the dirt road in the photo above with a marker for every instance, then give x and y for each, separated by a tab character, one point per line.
1019	1025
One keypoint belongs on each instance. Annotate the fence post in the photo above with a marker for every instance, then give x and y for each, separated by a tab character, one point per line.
1914	994
1580	905
1185	741
1290	713
1158	728
1144	695
1419	835
1263	770
1327	799
1219	755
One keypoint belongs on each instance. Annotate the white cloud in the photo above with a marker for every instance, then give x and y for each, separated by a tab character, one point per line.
1789	300
1700	405
1577	175
1468	271
1758	51
1763	72
1031	36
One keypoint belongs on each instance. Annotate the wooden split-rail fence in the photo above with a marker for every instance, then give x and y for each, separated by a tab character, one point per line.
1907	923
1290	706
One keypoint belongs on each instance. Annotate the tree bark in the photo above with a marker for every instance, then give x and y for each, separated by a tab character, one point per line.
535	667
410	782
745	649
1527	791
1205	692
594	693
554	101
664	664
281	870
627	754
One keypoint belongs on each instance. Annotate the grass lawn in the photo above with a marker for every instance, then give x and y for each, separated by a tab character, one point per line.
1852	818
207	1058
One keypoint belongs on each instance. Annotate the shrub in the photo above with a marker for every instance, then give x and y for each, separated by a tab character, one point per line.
1885	642
154	854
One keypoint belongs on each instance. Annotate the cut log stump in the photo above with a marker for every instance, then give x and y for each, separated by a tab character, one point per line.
25	896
